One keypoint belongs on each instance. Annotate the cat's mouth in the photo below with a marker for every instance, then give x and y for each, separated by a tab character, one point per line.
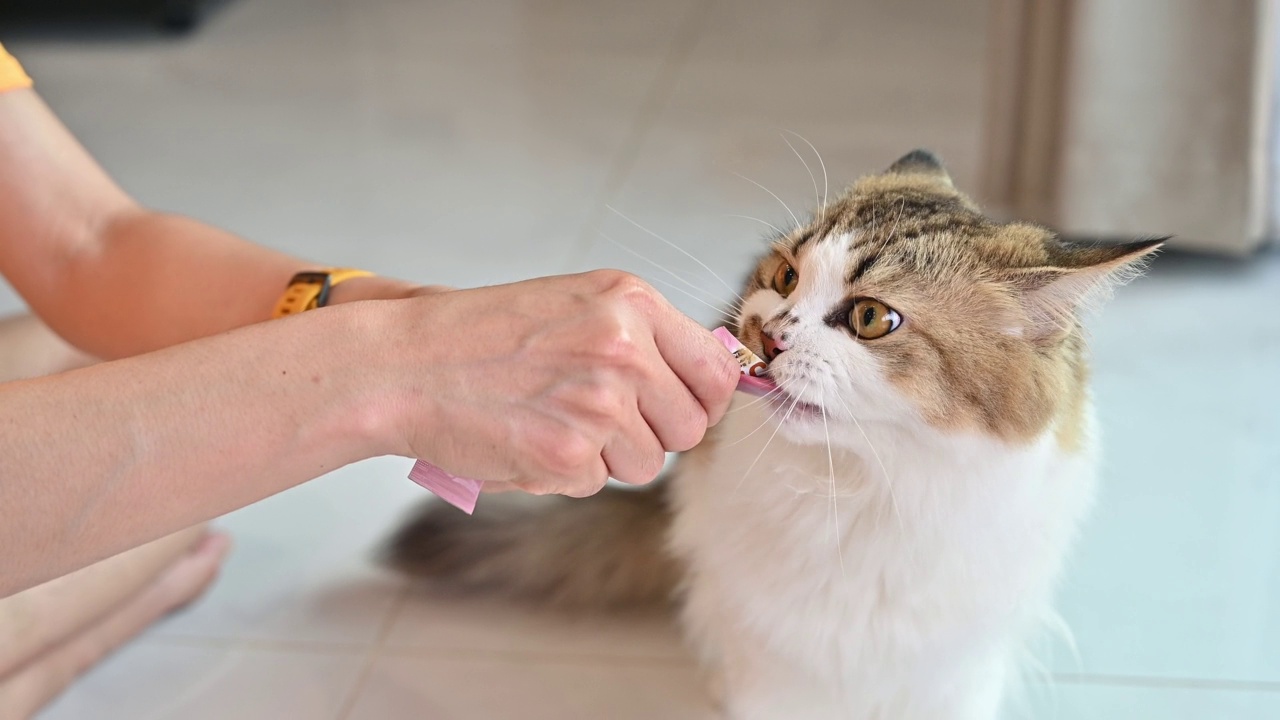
790	407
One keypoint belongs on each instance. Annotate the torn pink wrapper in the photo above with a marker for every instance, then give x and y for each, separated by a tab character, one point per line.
459	492
463	493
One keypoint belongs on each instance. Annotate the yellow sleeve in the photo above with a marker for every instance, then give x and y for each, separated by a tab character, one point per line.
12	76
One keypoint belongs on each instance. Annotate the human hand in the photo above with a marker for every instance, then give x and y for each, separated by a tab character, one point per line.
555	384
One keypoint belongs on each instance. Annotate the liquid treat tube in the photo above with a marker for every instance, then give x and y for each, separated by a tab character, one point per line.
463	493
753	368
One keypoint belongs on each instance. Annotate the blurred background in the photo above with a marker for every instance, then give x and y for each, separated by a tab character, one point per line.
470	143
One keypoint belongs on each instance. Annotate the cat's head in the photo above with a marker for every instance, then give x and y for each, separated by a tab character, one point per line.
902	303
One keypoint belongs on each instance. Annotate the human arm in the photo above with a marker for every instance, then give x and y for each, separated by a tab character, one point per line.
102	459
550	384
112	277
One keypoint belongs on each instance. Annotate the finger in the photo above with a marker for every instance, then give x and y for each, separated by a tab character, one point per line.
585	482
590	482
699	360
673	414
634	456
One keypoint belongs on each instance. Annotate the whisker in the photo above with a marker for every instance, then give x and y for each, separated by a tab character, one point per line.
758	427
902	207
686	253
654	263
677	288
757	401
893	499
825	186
816	198
794	219
770	225
835	504
794	402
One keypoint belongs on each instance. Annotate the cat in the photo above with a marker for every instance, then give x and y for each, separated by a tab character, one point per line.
878	539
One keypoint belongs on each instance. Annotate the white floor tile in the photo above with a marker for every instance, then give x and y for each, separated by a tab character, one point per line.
150	681
1121	702
463	689
428	622
302	565
1178	574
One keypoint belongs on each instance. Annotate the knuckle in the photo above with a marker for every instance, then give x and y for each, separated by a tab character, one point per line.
653	465
609	341
534	486
607	278
630	289
618	280
643	468
602	401
687	434
586	488
564	453
621	286
617	346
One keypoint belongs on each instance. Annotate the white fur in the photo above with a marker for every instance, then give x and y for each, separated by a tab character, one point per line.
892	577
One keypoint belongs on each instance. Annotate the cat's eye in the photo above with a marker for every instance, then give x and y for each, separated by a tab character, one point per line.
871	319
785	279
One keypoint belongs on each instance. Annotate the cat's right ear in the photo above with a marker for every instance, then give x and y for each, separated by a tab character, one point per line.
921	162
1076	275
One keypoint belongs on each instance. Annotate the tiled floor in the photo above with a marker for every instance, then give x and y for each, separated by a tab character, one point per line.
467	143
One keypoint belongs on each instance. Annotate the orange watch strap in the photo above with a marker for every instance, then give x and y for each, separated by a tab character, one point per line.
310	290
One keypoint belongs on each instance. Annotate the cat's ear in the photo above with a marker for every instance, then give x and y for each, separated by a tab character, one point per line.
921	162
1076	276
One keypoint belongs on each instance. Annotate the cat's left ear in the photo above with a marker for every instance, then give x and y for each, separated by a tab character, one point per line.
922	162
1076	275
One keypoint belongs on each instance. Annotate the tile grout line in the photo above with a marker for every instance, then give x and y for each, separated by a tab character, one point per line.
651	107
549	658
1151	681
316	647
374	652
329	648
379	648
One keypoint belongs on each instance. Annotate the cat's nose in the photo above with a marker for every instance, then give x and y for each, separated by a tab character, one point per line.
772	347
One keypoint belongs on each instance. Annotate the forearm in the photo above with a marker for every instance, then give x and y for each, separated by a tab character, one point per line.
149	280
105	458
110	277
153	280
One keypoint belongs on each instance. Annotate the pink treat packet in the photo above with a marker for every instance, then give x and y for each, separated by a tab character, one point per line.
459	492
753	368
463	493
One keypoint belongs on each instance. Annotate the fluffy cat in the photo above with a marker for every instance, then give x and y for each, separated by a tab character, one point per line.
877	540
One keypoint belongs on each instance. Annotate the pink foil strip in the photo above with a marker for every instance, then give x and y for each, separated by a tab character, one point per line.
459	492
463	493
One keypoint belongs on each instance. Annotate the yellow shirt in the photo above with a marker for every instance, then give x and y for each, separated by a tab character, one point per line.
12	76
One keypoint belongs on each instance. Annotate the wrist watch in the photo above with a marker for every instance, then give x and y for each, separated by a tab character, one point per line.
309	290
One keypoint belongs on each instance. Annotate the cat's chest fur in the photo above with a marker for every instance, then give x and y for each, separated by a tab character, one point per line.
945	549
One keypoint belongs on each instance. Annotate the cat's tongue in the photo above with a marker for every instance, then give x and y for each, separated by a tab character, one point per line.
463	493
